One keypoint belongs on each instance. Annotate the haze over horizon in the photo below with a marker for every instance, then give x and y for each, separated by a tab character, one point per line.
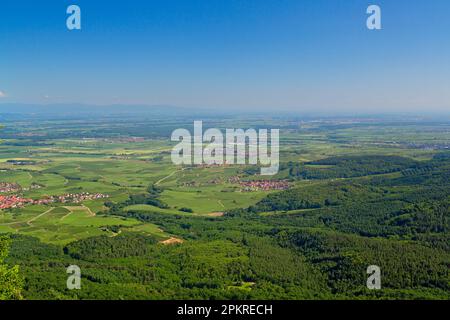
302	56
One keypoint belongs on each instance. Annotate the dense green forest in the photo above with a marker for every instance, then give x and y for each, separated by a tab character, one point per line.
11	281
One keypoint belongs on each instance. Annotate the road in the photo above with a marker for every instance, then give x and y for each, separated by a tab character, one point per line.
161	180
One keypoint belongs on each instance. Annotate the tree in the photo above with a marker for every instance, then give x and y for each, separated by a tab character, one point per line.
10	280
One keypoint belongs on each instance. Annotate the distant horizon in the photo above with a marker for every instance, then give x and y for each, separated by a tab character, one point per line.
29	108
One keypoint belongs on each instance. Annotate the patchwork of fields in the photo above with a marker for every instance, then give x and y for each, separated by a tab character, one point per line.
117	170
360	192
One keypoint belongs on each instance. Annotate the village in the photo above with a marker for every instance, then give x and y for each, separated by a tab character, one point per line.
6	187
246	186
263	185
259	185
15	201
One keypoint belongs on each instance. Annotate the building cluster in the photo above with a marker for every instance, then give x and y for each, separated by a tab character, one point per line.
21	162
14	201
264	185
234	179
33	186
259	185
429	146
192	184
115	139
78	197
6	187
7	202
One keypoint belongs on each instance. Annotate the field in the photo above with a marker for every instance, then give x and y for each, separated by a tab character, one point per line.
362	191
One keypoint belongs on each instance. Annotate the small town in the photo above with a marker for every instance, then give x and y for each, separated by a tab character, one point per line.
6	187
7	202
264	185
259	185
15	201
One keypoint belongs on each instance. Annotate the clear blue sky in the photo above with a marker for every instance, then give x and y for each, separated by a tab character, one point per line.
289	54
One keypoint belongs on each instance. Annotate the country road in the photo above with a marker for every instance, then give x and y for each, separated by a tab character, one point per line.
166	177
38	216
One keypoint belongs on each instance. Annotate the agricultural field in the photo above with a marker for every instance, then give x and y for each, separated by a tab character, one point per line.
350	192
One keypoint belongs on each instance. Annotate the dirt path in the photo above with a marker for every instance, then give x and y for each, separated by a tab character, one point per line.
73	208
38	216
171	240
89	210
115	234
70	212
215	214
166	177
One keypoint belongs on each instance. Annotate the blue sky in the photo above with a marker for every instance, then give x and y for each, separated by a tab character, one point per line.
303	55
